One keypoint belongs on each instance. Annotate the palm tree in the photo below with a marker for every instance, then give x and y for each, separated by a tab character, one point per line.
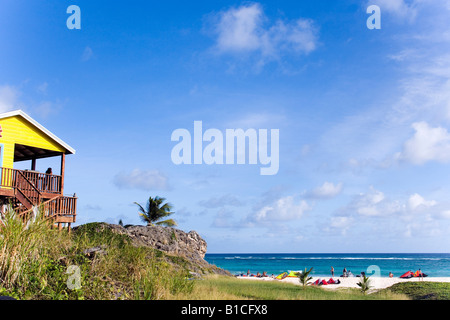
304	277
155	210
364	284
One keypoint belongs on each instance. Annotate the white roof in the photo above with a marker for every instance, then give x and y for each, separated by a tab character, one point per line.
39	126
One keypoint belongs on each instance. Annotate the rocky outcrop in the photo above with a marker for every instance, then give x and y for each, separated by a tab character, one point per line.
174	242
170	240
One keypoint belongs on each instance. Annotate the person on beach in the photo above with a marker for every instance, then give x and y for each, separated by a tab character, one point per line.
332	271
420	275
391	275
344	272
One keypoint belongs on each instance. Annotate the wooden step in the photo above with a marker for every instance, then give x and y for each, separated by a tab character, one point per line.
23	199
64	219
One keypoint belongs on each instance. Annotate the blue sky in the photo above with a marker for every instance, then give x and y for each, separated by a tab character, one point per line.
363	115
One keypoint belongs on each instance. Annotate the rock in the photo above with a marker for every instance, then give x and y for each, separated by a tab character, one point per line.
174	242
170	240
93	252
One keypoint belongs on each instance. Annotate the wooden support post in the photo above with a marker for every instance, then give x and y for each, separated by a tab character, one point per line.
63	167
33	164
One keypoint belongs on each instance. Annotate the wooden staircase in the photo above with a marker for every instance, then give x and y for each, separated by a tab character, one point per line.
29	191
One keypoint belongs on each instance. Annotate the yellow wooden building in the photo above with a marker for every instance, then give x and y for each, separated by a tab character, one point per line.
24	139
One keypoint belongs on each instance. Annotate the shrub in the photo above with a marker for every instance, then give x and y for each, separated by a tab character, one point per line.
304	277
35	259
364	284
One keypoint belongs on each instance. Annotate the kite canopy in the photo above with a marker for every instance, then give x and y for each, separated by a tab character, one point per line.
410	274
281	276
407	275
292	274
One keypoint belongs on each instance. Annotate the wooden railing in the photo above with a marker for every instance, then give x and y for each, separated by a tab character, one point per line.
27	188
44	183
30	190
62	208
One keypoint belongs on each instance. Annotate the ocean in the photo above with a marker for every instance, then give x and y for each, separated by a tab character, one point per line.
380	264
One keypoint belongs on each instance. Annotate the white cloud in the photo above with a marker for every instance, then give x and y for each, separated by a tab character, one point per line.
426	90
141	179
240	29
9	98
283	209
341	223
248	29
416	201
422	97
445	214
327	190
373	204
407	216
273	214
296	36
399	8
427	144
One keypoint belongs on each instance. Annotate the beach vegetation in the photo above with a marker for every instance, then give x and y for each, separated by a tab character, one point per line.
35	260
37	263
364	284
217	287
422	290
155	210
304	277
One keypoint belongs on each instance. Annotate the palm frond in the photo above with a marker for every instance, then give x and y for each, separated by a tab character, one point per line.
155	210
304	276
141	208
167	223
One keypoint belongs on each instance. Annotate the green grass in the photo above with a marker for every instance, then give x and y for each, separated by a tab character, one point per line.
229	288
35	260
423	290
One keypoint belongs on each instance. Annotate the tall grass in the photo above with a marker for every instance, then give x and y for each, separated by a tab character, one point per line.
35	259
229	288
25	248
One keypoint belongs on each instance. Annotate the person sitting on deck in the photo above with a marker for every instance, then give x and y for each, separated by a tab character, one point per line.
48	179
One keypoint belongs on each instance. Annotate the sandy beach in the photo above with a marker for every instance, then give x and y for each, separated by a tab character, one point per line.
351	282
